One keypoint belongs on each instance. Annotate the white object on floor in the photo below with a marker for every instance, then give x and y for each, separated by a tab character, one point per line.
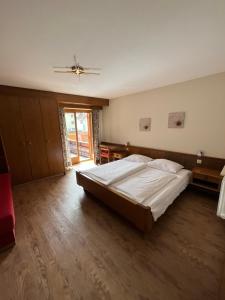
221	203
114	171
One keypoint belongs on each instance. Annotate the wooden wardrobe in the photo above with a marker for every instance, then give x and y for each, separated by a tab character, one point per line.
29	125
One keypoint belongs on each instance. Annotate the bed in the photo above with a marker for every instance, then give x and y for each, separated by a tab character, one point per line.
139	193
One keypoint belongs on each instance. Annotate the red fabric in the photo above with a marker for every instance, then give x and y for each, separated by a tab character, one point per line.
105	152
7	239
7	216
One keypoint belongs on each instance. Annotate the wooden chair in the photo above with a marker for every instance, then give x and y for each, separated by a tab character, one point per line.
105	153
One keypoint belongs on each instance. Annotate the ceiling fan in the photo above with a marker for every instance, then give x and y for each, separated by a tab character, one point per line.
76	69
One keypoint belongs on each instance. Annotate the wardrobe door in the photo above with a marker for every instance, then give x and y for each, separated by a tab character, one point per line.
49	108
33	127
12	131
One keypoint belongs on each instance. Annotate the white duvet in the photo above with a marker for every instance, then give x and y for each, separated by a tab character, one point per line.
114	171
143	184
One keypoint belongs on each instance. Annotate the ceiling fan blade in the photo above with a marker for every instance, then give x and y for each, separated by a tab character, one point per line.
90	73
91	68
63	71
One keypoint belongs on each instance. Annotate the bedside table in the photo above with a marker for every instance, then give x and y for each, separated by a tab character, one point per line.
206	179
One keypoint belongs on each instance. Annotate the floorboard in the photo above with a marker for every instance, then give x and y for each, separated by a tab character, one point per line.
70	246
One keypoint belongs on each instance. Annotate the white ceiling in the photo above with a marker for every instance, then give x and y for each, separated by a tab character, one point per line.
138	44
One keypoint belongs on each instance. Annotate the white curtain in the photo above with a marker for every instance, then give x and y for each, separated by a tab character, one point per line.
96	133
65	146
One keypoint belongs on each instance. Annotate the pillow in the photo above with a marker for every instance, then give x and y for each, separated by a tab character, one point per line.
165	165
138	158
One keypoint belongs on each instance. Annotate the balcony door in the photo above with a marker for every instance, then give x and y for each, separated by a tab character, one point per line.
79	135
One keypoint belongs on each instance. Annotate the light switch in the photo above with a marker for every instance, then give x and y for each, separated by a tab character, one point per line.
199	161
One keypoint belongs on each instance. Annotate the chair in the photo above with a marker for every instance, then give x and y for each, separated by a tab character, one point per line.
105	153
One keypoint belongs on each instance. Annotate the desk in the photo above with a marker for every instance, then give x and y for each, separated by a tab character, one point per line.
107	152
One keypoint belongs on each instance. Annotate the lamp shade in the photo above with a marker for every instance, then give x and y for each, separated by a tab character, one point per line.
200	153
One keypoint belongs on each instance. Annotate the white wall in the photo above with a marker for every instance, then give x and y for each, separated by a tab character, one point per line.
203	101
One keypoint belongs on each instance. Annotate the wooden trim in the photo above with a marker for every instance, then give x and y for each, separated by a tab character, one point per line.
77	106
76	99
136	213
74	110
189	161
59	97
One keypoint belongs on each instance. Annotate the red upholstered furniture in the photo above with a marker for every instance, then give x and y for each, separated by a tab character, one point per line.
7	216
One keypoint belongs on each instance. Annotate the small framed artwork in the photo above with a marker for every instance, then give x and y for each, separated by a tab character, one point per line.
176	120
145	124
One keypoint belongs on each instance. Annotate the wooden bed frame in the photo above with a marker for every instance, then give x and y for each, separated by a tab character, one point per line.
136	213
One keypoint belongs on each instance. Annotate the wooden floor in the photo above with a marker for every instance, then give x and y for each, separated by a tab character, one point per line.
70	246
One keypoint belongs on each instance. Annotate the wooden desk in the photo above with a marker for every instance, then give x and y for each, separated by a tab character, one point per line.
107	152
119	154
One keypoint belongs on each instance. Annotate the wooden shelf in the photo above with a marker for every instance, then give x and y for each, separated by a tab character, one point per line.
205	187
206	179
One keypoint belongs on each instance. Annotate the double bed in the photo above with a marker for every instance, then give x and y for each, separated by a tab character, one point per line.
138	188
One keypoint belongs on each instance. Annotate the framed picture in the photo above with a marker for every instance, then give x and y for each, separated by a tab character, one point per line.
145	124
176	120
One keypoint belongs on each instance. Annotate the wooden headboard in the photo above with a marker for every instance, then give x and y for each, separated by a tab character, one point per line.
187	160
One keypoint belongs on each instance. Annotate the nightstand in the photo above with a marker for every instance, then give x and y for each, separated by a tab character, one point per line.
206	179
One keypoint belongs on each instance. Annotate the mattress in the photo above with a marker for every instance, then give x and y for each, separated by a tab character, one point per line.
159	201
143	184
110	173
162	199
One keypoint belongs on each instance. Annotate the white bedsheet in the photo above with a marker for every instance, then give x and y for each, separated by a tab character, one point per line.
143	184
160	201
114	171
